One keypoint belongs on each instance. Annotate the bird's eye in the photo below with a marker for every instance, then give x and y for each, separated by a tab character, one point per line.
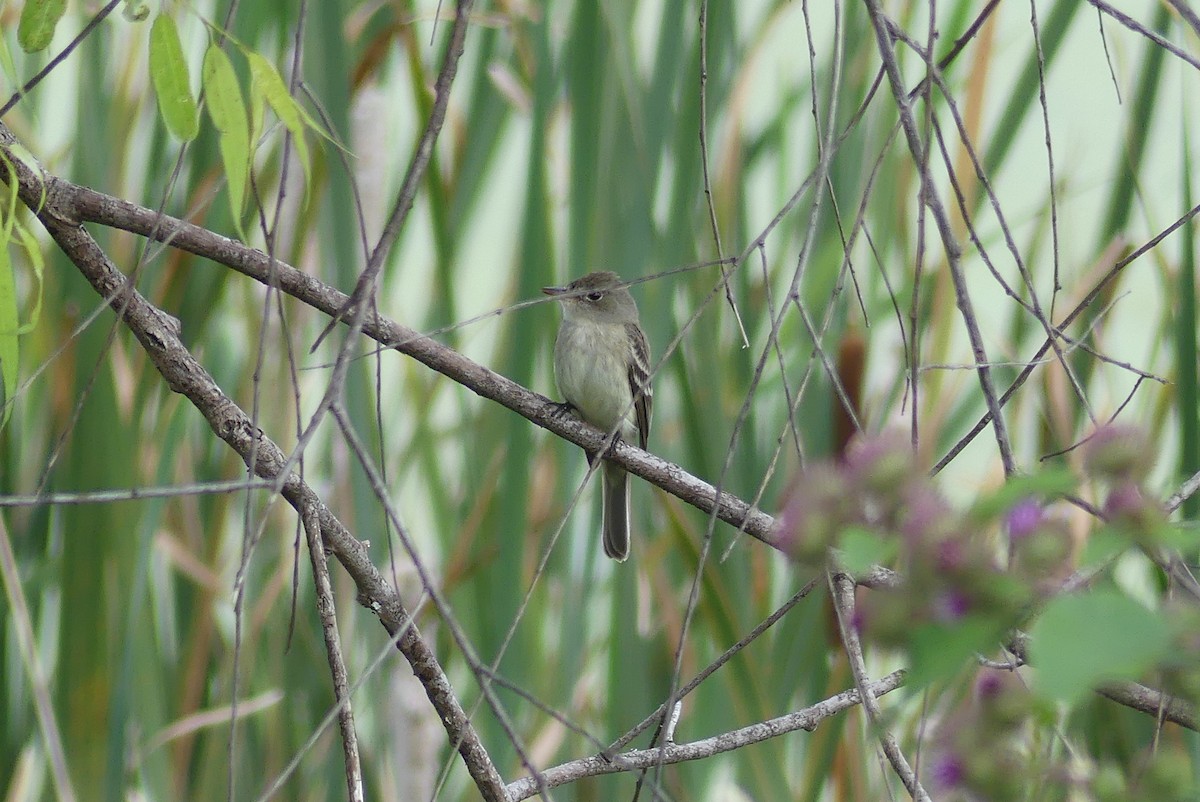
595	296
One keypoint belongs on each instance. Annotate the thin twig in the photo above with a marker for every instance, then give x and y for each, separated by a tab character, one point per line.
333	651
1087	301
930	199
820	173
708	193
842	588
362	454
136	493
158	335
711	668
1137	27
806	719
60	57
1155	703
27	646
413	177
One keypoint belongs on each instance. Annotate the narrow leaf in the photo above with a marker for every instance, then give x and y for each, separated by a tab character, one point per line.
33	252
172	84
7	64
9	349
227	109
265	82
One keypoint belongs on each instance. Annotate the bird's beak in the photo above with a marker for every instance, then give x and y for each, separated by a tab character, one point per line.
554	290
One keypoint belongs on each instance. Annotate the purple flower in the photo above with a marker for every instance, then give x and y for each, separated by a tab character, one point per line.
949	772
1118	452
950	606
925	515
1125	499
950	555
1024	519
990	684
816	510
858	619
882	463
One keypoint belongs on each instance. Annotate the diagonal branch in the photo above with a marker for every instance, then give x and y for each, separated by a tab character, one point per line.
87	205
930	199
842	590
158	334
806	719
413	176
1151	702
333	649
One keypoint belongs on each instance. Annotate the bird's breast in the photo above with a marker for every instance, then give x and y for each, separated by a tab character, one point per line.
591	370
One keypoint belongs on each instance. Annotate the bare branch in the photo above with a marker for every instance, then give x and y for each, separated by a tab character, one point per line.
1152	702
159	336
333	650
88	205
842	588
930	199
637	759
43	706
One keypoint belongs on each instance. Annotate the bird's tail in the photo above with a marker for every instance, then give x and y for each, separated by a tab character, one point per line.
616	512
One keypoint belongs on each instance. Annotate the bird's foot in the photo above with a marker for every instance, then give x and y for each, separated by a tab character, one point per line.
558	410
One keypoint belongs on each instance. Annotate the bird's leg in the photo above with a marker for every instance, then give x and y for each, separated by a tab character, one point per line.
558	410
609	449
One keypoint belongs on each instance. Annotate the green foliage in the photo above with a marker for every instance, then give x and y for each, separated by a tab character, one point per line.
572	143
860	549
1101	635
939	651
955	601
39	18
1049	483
13	234
227	110
172	84
9	317
9	347
265	84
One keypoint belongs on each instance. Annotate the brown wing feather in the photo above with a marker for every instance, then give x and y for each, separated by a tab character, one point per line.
639	380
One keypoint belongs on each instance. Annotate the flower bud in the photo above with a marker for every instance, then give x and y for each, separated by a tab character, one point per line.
817	509
1118	452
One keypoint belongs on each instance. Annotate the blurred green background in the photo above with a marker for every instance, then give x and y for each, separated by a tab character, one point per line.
572	143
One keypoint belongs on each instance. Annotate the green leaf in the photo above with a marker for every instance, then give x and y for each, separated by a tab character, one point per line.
38	20
7	64
33	252
1043	484
1082	640
172	84
9	349
859	549
1183	536
227	109
9	324
1103	545
939	651
266	83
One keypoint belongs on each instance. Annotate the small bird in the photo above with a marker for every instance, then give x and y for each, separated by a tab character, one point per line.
602	368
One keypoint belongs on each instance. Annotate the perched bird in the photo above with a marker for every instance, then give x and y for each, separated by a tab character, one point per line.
602	368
